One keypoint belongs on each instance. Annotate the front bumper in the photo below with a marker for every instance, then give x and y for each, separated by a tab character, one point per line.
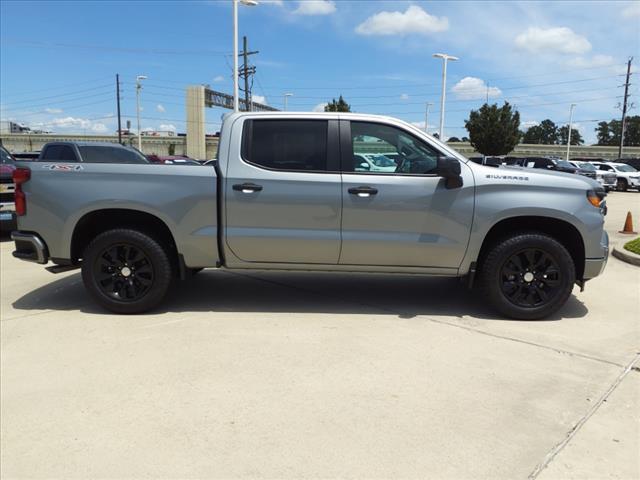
30	247
595	266
634	182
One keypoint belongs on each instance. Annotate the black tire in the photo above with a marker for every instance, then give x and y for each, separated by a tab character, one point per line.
126	271
527	276
622	185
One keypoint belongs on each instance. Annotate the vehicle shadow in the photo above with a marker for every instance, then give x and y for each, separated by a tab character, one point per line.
405	296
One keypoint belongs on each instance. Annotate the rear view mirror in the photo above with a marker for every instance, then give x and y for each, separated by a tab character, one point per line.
449	169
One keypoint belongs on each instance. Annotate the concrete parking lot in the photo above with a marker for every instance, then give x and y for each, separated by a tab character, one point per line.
286	375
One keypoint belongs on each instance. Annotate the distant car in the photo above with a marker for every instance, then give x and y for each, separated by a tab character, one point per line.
26	155
374	162
606	179
7	191
548	163
172	159
634	162
627	176
90	152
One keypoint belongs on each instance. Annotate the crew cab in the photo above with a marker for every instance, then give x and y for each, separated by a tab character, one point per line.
288	193
626	176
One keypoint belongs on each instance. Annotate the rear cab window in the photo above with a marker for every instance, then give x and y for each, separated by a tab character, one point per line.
107	154
286	145
59	153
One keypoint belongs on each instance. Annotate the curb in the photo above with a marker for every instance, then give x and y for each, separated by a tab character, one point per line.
626	256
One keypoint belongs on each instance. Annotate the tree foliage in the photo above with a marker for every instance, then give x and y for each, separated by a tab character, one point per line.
494	130
546	133
576	138
337	106
608	133
453	139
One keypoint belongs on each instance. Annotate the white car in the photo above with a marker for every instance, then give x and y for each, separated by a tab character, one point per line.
374	162
607	179
627	176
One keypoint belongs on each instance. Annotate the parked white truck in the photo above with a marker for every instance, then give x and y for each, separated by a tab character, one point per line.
287	193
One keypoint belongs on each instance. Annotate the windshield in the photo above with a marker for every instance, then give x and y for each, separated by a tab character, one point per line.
625	168
564	164
5	157
587	166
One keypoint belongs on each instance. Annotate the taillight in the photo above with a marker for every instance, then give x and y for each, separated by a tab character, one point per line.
20	176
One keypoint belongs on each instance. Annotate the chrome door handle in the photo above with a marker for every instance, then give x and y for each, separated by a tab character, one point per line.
247	187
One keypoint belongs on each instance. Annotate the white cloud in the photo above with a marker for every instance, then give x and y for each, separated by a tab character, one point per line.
413	21
420	125
404	96
278	3
315	7
160	108
218	79
552	40
167	127
99	128
632	11
70	122
320	107
588	62
259	99
53	110
474	88
528	124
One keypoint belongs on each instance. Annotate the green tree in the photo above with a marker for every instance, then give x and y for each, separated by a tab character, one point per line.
337	106
172	149
453	139
494	130
608	133
544	134
576	138
465	139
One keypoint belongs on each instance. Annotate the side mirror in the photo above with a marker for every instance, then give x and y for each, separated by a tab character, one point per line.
365	166
449	169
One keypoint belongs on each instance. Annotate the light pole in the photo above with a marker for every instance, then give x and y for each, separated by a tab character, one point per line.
570	127
445	58
249	3
286	97
138	88
426	118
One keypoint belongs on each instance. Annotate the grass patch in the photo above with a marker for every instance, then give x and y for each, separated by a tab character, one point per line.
633	246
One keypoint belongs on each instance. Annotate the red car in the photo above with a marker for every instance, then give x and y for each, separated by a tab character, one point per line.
7	189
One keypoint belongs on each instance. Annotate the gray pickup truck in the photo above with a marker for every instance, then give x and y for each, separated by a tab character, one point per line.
290	192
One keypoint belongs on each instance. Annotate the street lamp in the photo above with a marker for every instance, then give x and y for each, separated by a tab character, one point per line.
286	97
138	88
248	3
426	118
570	127
445	58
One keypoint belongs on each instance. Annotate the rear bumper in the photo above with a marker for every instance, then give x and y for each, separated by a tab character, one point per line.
30	247
595	266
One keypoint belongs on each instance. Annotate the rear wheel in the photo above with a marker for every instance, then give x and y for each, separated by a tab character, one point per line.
528	276
126	271
621	185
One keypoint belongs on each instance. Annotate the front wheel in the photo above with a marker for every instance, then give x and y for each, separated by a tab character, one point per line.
527	276
126	271
621	185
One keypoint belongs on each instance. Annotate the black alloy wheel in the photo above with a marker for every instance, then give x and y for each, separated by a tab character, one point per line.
530	278
124	272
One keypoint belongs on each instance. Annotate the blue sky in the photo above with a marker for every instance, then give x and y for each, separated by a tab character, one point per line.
58	60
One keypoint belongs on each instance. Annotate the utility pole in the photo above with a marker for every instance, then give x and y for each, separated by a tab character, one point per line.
245	72
118	100
426	118
445	58
286	98
139	78
624	108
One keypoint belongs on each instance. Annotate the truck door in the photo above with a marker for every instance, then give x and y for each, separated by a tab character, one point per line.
282	191
399	213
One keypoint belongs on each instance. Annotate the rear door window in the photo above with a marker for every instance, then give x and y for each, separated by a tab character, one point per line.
106	154
289	145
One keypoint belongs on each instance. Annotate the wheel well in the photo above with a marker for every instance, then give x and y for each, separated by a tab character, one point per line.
98	221
562	231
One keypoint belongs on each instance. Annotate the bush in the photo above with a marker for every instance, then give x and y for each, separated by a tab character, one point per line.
633	246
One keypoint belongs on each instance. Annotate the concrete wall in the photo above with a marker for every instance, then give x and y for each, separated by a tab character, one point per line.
157	145
160	146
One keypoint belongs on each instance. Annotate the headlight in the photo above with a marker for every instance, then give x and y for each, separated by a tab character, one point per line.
596	197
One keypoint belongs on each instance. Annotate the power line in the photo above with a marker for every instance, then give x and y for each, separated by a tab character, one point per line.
58	96
46	104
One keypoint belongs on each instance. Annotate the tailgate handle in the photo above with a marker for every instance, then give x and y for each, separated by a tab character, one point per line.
247	187
363	191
